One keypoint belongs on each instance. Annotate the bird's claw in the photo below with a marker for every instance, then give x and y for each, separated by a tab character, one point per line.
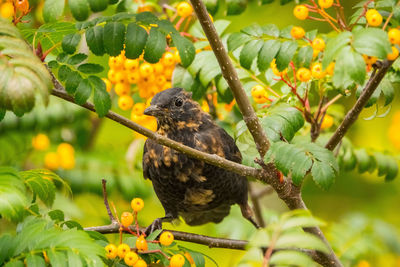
155	225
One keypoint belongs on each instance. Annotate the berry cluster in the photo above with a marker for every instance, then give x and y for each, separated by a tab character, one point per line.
131	256
15	9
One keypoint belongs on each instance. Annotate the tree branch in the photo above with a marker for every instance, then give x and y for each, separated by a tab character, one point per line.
379	72
230	75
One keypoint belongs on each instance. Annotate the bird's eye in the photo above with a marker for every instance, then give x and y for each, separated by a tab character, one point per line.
178	102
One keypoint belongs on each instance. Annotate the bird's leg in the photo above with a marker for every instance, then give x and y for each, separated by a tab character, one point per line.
157	223
248	214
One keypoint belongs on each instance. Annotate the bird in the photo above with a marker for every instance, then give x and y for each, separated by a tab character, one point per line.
189	188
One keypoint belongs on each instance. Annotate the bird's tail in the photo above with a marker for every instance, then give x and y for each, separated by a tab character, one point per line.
215	215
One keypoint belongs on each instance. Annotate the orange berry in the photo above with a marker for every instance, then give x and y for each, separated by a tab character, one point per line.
116	62
166	238
167	85
327	122
144	8
65	149
122	89
318	44
168	59
168	73
177	260
316	71
303	75
158	68
141	263
184	9
373	17
160	80
297	32
22	6
40	142
141	243
330	68
131	258
394	36
122	250
369	59
7	10
51	161
149	80
394	54
300	12
138	109
133	77
120	77
111	76
325	3
131	64
111	251
146	69
125	102
126	218
137	204
315	53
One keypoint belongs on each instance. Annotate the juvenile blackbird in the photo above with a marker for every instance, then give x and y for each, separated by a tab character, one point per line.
196	191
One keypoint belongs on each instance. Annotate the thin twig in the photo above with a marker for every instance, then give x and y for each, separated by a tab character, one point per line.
110	215
256	206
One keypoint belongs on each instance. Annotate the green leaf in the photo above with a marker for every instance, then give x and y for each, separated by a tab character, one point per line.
185	48
267	53
57	258
249	52
372	42
53	9
155	46
70	42
291	258
301	221
349	68
136	38
114	37
98	5
154	235
35	261
41	186
90	68
94	39
147	18
79	9
76	59
304	57
237	39
235	7
387	90
83	92
2	114
14	263
323	175
182	78
101	99
363	160
334	46
72	82
271	30
301	240
57	215
285	54
63	72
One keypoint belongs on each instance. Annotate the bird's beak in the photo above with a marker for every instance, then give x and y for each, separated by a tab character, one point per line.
152	110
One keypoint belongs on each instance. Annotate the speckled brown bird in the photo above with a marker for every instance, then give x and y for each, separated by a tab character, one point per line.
186	187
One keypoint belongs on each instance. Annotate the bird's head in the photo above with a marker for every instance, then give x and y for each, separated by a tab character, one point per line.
174	105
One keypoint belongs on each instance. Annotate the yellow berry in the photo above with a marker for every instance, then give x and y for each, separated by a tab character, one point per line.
138	109
111	251
315	53
369	59
116	62
120	77
300	12
394	36
394	54
131	258
303	75
122	89
108	84
7	10
177	260
137	204
160	80
148	80
65	149
257	91
275	69
166	238
111	76
177	57
141	263
125	102
373	17
131	64
68	163
158	68
316	71
330	68
51	161
133	77
327	122
122	250
297	32
40	142
168	59
168	73
141	243
184	9
325	3
318	44
146	69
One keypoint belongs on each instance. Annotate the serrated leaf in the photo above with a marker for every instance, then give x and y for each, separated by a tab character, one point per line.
147	17
35	261
237	39
79	9
53	9
94	40
387	89
372	42
249	52
114	37
301	240
63	72
323	175
41	186
271	30
300	221
285	54
155	46
90	68
56	215
154	235
349	68
267	53
76	59
185	48
101	99
14	263
334	46
235	7
72	82
304	57
98	5
182	78
291	258
70	42
136	38
363	160
83	92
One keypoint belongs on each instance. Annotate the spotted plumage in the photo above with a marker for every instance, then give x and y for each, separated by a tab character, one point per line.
186	187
